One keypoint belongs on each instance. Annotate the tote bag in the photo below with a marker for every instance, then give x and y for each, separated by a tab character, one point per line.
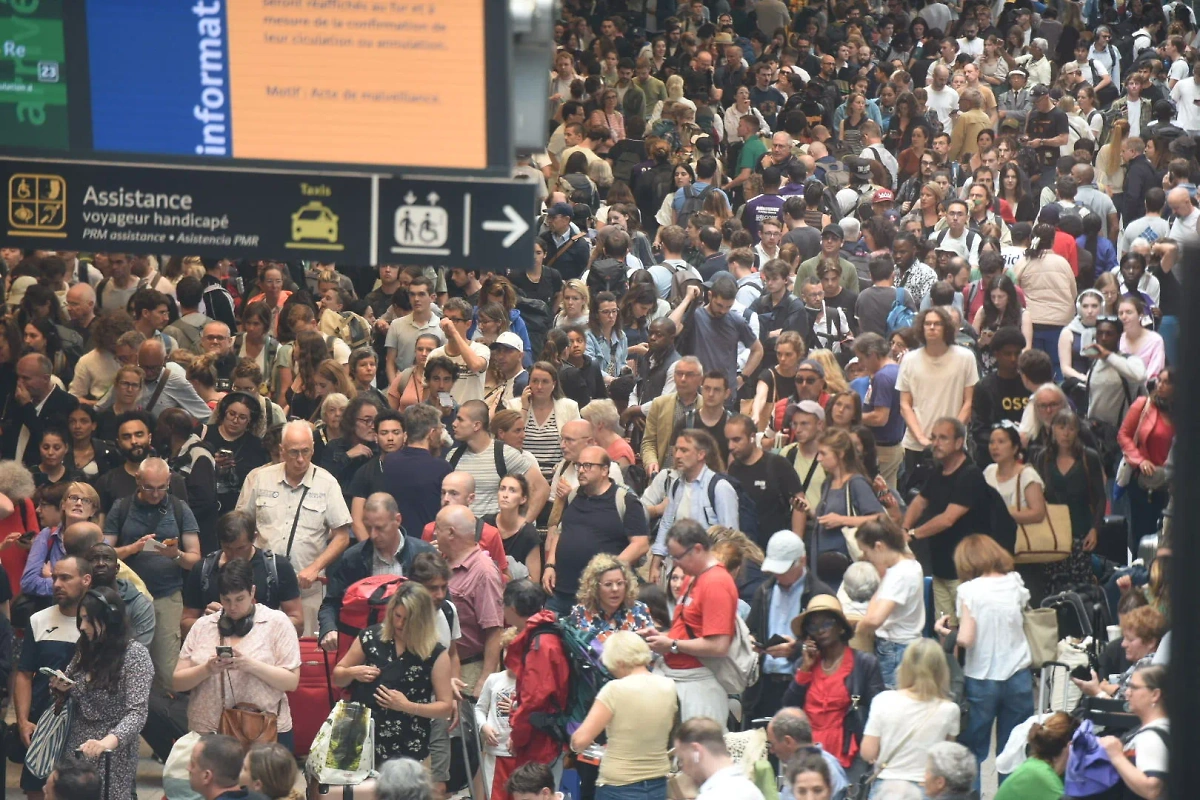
1046	541
49	739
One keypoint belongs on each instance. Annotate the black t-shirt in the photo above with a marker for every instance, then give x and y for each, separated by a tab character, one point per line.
963	487
693	420
772	483
1170	292
544	290
248	454
287	589
368	480
521	543
1047	125
846	300
592	525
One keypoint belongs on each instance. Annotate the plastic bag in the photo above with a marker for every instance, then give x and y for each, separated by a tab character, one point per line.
343	752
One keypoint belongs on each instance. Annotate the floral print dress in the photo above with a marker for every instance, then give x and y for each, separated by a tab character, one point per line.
120	711
397	734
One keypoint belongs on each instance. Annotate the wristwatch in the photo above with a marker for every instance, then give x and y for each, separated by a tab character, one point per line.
675	646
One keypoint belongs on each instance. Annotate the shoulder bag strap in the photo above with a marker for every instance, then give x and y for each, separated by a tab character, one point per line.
158	390
565	248
812	469
296	522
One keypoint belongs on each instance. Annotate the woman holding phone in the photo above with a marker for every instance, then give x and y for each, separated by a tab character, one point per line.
246	654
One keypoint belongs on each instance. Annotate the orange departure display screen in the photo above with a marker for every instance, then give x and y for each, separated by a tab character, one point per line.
358	81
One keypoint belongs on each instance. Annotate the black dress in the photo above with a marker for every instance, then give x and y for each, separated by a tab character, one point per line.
397	735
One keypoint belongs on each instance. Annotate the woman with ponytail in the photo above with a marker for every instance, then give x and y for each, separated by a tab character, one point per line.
1049	286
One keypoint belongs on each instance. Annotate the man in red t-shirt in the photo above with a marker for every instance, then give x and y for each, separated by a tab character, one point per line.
703	627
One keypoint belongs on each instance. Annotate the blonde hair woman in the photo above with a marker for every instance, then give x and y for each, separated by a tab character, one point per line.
928	208
905	722
576	301
637	710
835	379
1110	172
399	670
608	602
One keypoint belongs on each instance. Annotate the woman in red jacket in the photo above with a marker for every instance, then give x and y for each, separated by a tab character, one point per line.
1146	437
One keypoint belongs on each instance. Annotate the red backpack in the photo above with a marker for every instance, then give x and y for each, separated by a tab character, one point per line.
364	602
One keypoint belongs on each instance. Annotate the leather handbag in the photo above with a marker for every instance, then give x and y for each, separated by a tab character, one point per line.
1046	541
247	722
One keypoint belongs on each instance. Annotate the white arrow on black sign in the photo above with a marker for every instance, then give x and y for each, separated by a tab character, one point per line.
515	226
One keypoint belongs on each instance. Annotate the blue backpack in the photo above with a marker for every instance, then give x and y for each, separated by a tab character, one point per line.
899	315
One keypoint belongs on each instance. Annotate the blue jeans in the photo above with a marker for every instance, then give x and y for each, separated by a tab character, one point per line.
889	654
1145	510
653	789
1005	703
1045	338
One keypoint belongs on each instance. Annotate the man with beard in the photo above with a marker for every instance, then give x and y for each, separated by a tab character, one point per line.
138	607
133	442
656	367
157	535
49	641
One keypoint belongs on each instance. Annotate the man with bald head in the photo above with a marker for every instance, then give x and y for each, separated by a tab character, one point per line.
477	592
942	98
166	385
36	404
1183	229
1096	201
388	550
158	537
301	513
789	732
81	308
458	489
599	517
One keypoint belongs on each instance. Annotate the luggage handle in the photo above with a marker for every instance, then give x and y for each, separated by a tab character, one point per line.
107	771
1044	689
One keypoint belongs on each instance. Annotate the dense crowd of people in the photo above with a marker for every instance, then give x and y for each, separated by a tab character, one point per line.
838	312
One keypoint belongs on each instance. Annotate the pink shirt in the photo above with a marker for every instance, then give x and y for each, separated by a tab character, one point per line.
478	595
272	640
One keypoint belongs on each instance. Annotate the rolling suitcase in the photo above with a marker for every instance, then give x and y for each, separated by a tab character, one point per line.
314	697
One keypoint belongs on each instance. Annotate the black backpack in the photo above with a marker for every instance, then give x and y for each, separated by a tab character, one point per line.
693	202
608	275
209	566
538	321
497	451
747	508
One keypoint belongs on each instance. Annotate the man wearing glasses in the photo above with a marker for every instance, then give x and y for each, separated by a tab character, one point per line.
600	517
166	385
301	513
157	536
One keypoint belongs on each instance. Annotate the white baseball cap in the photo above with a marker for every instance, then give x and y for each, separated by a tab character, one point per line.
509	339
783	550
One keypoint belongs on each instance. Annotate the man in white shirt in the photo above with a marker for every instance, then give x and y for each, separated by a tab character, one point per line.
1183	229
941	98
471	358
1186	96
1173	48
970	43
956	237
702	756
1104	52
874	150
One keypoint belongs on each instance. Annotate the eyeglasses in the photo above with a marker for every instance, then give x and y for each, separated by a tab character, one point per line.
129	385
457	320
590	465
75	498
235	417
808	381
298	452
153	489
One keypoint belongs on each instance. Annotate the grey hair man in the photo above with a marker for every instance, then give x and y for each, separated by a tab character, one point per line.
950	772
789	732
403	779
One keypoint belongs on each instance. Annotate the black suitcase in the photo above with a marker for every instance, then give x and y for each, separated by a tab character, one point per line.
166	721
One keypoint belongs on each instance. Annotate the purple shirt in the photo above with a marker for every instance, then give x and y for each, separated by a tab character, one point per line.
47	546
765	206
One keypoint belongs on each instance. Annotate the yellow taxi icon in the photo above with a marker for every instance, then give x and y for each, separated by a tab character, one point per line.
315	220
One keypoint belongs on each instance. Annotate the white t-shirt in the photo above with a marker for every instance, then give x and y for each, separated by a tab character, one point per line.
448	631
1178	70
1000	648
1134	115
967	245
1186	95
907	728
1151	750
1008	489
904	585
936	384
470	385
943	102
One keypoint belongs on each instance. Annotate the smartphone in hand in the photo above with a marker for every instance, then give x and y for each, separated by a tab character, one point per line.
224	651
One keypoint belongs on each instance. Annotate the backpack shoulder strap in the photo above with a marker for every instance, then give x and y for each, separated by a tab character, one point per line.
272	575
456	455
207	567
620	500
941	236
498	454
